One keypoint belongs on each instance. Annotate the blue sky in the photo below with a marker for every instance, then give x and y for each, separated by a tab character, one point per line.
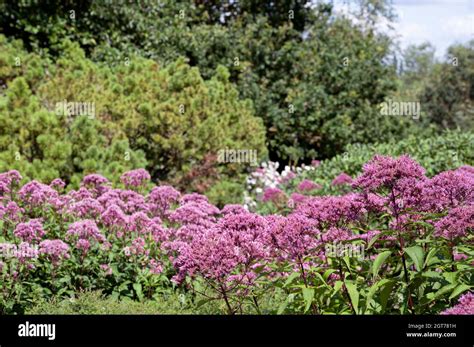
442	22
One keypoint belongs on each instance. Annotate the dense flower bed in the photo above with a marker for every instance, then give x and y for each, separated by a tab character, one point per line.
397	242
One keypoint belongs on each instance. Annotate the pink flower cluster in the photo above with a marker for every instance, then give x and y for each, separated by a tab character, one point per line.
465	306
135	178
55	250
30	231
229	247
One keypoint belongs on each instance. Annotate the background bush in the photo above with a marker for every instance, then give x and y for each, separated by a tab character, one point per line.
165	118
278	55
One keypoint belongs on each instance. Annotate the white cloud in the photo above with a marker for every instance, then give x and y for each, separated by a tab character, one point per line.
460	25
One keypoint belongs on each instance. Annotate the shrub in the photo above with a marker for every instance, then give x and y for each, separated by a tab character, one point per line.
280	62
166	117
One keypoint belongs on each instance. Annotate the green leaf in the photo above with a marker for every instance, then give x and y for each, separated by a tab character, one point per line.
373	290
328	273
291	278
443	290
385	294
353	294
203	302
322	280
138	289
308	295
373	240
417	255
431	257
337	287
451	277
379	262
282	307
458	290
347	261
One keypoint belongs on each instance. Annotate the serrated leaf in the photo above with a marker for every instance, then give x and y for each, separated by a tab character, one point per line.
373	240
451	277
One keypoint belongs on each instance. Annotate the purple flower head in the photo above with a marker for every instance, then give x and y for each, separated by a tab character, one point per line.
273	195
26	252
81	194
38	194
342	179
139	222
308	186
457	224
233	209
298	198
155	267
57	184
294	236
220	252
333	210
94	180
161	198
459	256
83	245
87	208
336	235
114	216
23	252
132	201
10	178
30	231
467	169
11	211
135	178
96	183
193	197
200	213
137	247
85	229
448	189
464	306
56	250
386	172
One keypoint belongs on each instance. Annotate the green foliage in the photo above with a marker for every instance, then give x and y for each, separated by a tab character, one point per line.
315	78
97	303
449	95
44	145
170	113
169	116
226	192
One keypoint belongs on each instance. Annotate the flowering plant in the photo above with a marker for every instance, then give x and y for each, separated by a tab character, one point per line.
396	242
